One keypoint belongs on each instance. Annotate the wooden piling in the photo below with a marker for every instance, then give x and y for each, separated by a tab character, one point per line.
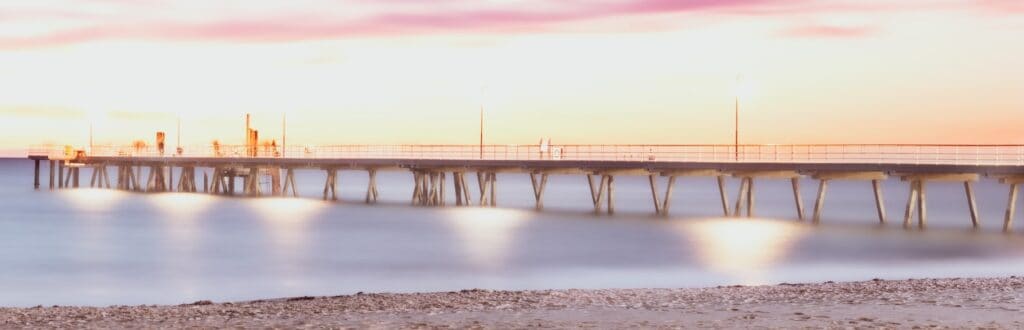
922	206
750	197
106	177
51	168
331	184
971	204
593	193
371	189
60	173
599	199
819	202
1011	208
494	193
654	194
611	194
879	201
666	203
796	196
538	189
36	182
741	198
911	204
723	195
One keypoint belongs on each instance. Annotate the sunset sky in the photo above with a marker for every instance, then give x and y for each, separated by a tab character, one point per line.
601	71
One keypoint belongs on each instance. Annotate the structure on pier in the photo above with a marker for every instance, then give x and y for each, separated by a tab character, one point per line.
433	168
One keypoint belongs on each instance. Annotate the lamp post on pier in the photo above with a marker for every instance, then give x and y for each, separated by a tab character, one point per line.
741	90
482	89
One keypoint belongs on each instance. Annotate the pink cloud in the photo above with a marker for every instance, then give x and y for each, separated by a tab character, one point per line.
315	25
1003	6
826	31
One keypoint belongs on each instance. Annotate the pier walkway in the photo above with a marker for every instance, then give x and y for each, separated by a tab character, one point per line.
238	170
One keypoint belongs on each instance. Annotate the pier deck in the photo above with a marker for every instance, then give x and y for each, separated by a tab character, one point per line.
600	165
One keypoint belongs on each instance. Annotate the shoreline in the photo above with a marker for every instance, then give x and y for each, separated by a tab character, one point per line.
953	302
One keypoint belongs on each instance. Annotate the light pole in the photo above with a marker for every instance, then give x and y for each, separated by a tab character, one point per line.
90	138
482	122
742	89
481	131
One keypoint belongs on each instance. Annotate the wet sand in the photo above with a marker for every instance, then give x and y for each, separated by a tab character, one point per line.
993	302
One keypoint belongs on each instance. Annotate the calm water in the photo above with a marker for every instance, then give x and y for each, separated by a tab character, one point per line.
100	247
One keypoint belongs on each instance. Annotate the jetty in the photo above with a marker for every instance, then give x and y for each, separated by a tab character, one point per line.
238	171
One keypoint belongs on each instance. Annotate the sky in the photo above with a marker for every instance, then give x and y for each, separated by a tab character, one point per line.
578	72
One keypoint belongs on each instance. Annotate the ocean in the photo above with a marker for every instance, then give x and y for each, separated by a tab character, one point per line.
104	247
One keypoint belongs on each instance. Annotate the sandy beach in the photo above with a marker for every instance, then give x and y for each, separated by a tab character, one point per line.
989	303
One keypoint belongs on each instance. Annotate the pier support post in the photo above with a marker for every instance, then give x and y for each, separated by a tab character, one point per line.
971	204
487	182
746	195
70	176
538	189
879	201
825	176
604	194
798	198
106	176
911	204
661	206
275	181
94	175
331	184
417	189
918	203
598	195
1011	208
77	175
217	185
819	203
1013	181
232	176
60	174
750	197
289	183
918	198
666	203
611	194
51	167
371	189
457	183
723	195
462	194
36	182
742	197
922	205
252	182
654	195
187	179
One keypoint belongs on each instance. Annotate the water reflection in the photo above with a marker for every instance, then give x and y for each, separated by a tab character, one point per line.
181	205
742	248
286	218
182	212
92	200
485	234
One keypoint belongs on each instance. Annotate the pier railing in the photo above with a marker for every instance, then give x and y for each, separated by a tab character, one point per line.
788	153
